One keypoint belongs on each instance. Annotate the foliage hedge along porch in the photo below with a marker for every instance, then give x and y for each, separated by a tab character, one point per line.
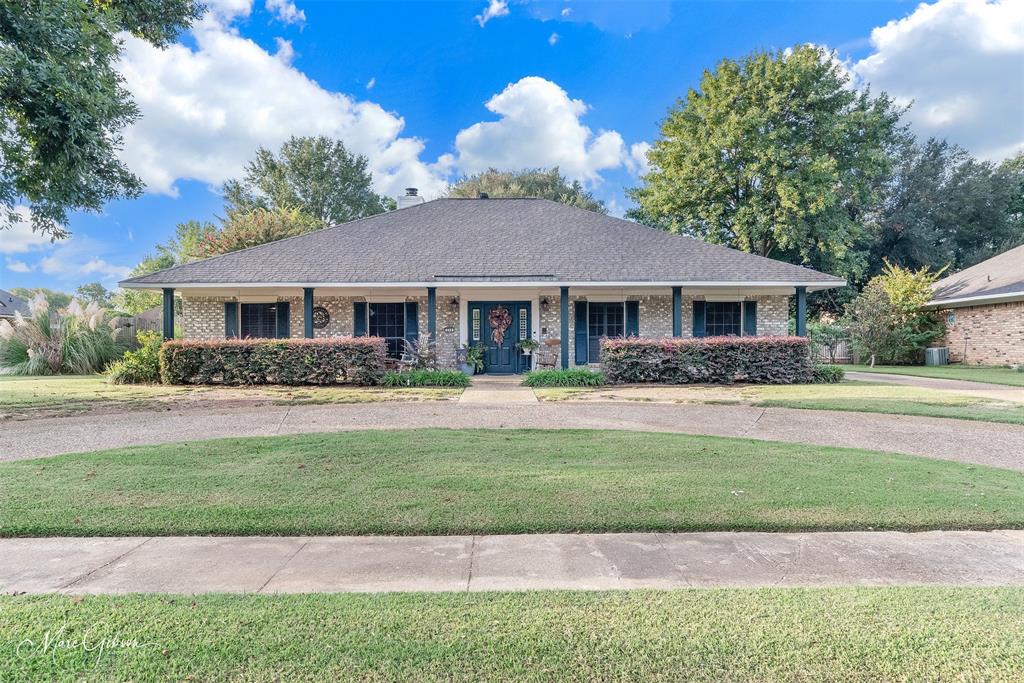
709	360
340	360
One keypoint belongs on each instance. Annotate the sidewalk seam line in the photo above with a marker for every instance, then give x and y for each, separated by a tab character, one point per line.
85	576
283	565
755	422
285	417
472	555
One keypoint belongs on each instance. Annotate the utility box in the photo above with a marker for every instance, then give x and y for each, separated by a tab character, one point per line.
938	355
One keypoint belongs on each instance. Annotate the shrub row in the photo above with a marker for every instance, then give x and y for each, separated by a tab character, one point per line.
338	360
425	378
575	377
710	360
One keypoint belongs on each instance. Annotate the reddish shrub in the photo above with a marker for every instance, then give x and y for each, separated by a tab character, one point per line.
709	360
337	360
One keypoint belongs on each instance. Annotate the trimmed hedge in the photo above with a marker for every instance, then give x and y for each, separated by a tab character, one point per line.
709	360
828	374
338	360
425	378
573	377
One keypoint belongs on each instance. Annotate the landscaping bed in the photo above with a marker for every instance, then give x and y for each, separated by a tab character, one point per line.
423	482
848	634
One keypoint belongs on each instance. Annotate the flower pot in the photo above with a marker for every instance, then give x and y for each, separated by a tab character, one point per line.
466	369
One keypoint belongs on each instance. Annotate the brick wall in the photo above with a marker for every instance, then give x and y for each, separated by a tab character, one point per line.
203	318
986	335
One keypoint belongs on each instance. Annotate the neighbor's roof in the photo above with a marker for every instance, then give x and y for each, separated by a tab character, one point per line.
1000	278
485	240
10	303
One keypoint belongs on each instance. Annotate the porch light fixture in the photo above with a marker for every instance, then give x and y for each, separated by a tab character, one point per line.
544	303
454	302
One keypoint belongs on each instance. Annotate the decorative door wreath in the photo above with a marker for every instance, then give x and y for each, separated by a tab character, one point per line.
499	319
320	317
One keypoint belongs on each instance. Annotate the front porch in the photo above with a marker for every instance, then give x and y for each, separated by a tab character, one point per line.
567	321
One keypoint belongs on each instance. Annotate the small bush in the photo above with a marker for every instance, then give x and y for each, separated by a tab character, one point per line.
338	360
710	360
575	377
828	374
141	366
425	378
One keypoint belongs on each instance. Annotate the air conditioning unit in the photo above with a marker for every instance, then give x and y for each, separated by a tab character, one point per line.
938	355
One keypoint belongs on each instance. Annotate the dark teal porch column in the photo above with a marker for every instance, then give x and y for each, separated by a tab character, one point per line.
168	313
307	312
677	311
801	311
432	314
565	328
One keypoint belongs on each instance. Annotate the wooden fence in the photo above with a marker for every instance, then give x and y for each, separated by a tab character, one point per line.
126	329
843	354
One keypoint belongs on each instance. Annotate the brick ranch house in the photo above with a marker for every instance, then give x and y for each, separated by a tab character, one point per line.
983	307
491	271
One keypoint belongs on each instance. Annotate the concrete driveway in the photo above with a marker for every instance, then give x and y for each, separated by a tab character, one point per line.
998	445
530	562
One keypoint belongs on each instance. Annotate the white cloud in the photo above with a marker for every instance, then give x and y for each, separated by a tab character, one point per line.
78	260
539	125
371	83
226	10
961	62
495	9
206	109
553	39
19	267
286	11
20	238
566	11
285	52
638	162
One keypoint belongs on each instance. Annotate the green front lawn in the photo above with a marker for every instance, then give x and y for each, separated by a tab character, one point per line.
973	373
849	634
24	397
882	398
495	482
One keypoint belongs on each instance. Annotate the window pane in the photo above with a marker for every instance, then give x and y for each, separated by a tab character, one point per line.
388	321
722	318
259	321
604	320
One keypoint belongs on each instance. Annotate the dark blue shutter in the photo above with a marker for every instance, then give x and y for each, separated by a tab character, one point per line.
230	319
632	318
283	331
750	318
412	322
582	337
359	319
699	329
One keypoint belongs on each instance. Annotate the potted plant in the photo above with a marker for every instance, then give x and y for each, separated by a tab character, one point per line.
528	346
474	359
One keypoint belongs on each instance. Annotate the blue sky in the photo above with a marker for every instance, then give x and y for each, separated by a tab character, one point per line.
430	90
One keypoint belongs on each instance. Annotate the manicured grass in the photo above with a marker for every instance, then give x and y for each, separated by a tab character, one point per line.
973	373
70	394
493	482
890	399
867	397
850	635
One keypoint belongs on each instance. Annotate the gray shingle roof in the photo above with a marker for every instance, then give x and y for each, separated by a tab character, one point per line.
10	303
449	240
999	276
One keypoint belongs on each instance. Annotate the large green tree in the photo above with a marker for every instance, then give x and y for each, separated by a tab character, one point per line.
945	208
315	175
776	155
538	182
63	103
242	230
55	300
94	293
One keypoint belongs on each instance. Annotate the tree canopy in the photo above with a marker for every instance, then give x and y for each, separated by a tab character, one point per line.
64	103
242	230
945	208
537	182
776	155
315	175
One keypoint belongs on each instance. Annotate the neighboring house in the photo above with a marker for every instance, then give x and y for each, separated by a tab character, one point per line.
491	271
983	307
10	304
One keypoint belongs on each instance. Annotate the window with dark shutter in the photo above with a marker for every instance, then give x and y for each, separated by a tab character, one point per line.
722	318
258	321
388	321
605	320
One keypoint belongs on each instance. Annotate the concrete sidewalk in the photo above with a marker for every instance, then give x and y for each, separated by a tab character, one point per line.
490	563
982	443
498	390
